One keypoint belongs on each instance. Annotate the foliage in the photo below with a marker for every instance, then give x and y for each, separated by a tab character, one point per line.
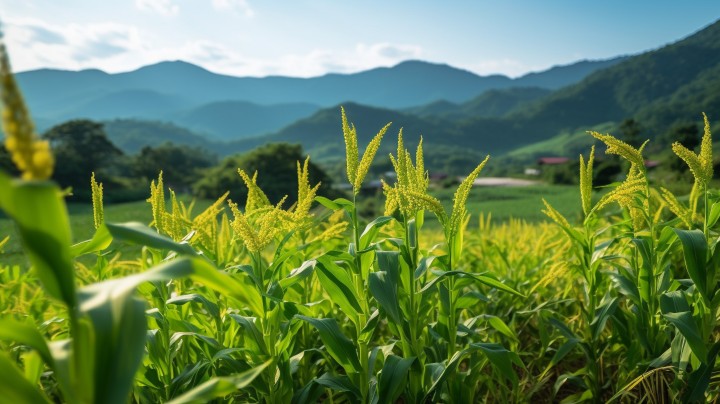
83	148
280	304
180	164
276	165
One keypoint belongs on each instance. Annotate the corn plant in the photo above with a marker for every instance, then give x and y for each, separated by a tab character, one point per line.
96	360
692	306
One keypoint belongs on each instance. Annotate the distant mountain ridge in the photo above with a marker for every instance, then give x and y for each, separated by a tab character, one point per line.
176	91
660	88
450	107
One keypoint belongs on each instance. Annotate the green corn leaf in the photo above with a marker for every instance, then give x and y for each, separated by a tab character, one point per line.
484	279
338	383
38	209
393	378
371	231
298	274
211	307
34	366
289	338
563	350
220	386
253	336
685	323
714	214
371	324
674	302
498	356
695	252
26	334
310	393
14	388
470	299
62	355
563	328
336	343
339	286
336	204
499	325
385	291
138	233
116	330
626	286
501	358
384	284
209	342
699	379
118	334
447	370
645	272
330	204
602	315
100	241
205	273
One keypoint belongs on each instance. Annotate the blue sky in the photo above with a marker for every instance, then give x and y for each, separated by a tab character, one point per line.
312	37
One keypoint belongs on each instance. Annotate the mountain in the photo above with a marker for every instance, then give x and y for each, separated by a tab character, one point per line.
237	119
165	90
497	103
322	135
132	135
659	88
406	84
565	75
491	103
146	104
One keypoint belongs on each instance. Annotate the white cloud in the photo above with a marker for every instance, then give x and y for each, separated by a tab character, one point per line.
115	47
162	7
322	61
241	6
33	43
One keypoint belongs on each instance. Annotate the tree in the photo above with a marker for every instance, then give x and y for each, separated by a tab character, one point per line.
277	174
81	147
180	164
688	135
630	131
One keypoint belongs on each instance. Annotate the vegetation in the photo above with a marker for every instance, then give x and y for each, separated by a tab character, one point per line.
276	165
183	165
287	302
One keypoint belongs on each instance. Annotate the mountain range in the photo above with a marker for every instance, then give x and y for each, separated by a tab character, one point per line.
226	107
660	89
452	108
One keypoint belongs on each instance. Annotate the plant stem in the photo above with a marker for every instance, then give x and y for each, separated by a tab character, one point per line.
361	289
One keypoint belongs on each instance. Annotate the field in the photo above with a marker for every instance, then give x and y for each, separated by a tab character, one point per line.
499	203
459	296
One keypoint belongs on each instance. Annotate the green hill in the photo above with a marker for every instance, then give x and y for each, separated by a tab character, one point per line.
131	135
671	84
238	119
490	104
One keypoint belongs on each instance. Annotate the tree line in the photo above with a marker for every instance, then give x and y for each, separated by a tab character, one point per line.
81	147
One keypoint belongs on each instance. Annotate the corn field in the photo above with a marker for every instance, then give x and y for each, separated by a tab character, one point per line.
249	301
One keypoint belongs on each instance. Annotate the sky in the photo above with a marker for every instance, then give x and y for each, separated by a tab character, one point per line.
305	38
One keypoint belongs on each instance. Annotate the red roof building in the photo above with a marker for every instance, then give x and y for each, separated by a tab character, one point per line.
552	161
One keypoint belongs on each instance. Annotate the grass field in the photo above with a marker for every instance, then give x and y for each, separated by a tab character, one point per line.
501	203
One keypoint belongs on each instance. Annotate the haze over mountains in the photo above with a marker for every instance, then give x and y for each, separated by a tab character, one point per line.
234	107
449	106
660	88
